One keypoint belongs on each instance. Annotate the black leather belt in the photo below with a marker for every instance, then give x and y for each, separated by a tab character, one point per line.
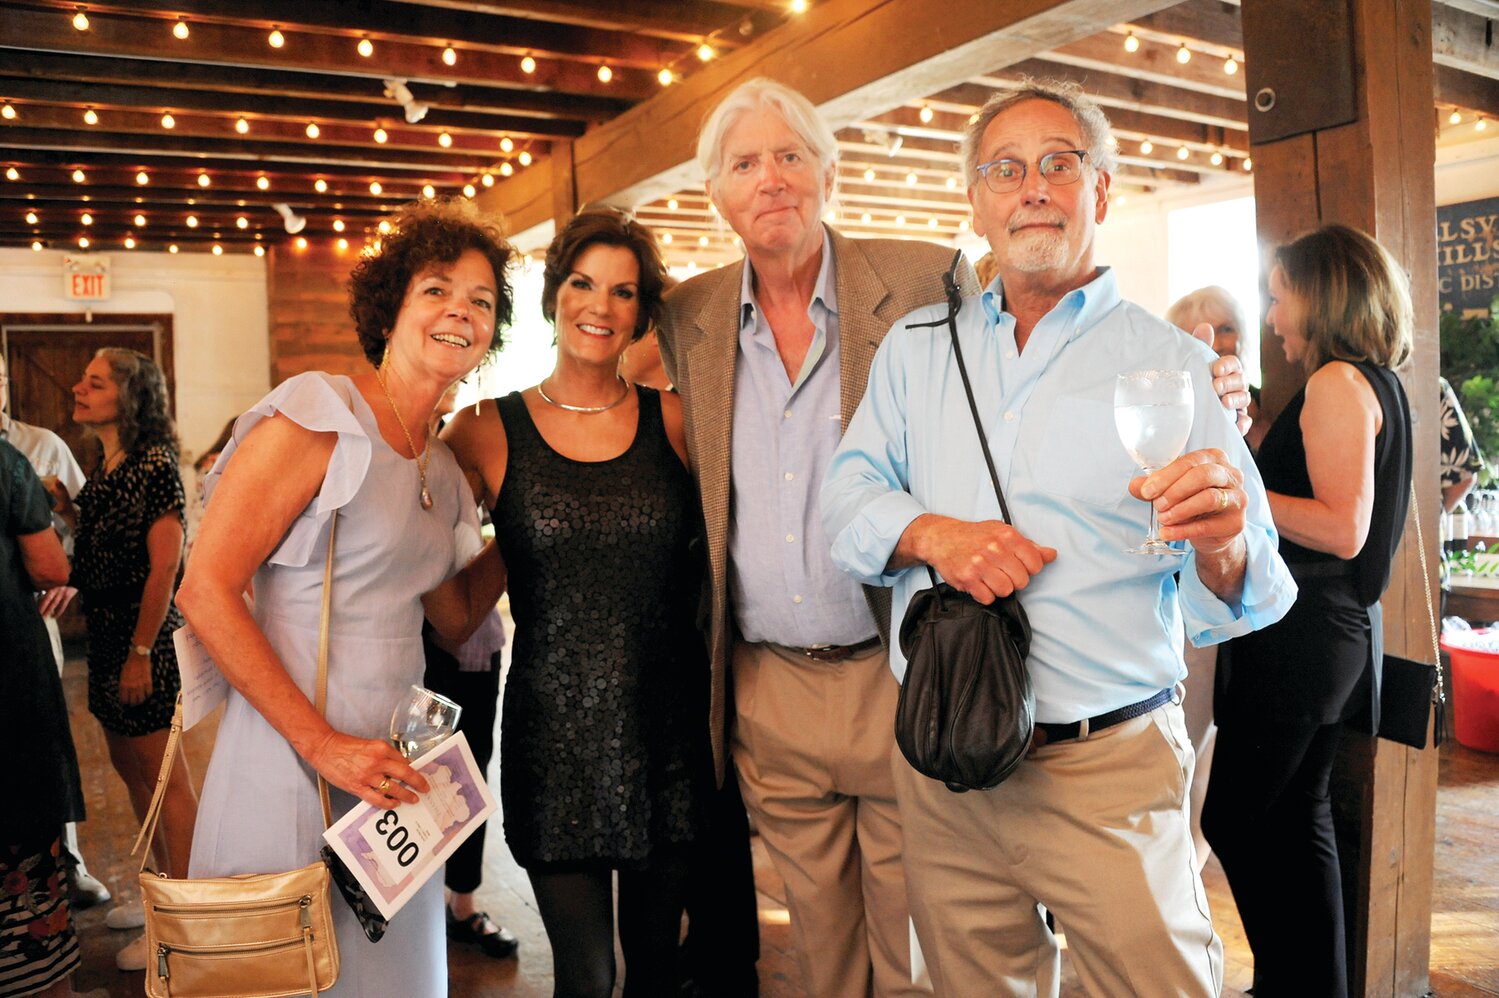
1048	733
834	653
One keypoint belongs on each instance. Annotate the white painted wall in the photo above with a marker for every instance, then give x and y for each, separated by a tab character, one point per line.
220	329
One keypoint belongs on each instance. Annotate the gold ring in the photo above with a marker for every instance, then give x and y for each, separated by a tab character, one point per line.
384	784
1222	503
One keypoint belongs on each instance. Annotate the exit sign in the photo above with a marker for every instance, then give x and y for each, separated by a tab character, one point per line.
85	276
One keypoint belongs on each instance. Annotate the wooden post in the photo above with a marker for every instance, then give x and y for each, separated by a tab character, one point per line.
1356	144
564	185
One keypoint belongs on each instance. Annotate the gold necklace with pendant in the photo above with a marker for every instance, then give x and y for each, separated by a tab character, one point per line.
421	459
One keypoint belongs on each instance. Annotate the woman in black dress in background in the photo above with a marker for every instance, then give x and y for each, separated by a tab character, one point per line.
604	757
126	555
1337	470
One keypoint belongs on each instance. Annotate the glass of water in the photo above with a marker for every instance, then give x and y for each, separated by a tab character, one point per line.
1153	414
421	720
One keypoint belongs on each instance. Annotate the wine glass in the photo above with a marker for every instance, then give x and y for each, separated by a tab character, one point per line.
421	720
1153	414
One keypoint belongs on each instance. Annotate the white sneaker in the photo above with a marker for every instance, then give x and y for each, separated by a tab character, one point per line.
87	890
133	956
126	915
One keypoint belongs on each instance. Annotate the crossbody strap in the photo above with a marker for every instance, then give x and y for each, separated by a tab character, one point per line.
954	304
174	736
1438	693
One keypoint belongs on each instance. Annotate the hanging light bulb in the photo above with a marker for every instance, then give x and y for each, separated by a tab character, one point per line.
1248	164
506	168
218	250
179	30
203	180
702	240
313	131
1147	147
143	178
7	112
80	20
381	136
375	188
671	204
11	173
1455	118
338	225
263	182
366	47
487	179
605	74
449	56
301	242
952	183
1230	65
926	114
384	227
83	242
276	38
78	177
1131	43
90	117
911	179
87	219
445	140
866	218
172	248
931	223
1182	152
242	126
705	52
664	77
1216	159
320	185
429	192
1481	124
1183	54
168	122
192	221
140	221
260	251
343	244
506	144
869	175
469	191
36	245
130	242
528	65
525	157
31	218
900	219
666	238
798	6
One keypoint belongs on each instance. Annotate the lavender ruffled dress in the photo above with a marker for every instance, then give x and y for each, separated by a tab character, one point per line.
259	811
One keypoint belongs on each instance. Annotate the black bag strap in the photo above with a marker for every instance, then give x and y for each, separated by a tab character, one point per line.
954	304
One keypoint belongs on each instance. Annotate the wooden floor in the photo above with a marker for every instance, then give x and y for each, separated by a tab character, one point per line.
1465	919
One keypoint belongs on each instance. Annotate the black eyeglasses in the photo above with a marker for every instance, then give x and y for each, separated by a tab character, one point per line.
1058	168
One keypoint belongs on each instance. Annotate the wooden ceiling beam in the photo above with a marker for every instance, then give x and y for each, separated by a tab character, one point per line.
252	106
1461	39
234	46
839	55
300	174
1211	21
50	67
1153	61
685	20
1112	90
1467	90
344	22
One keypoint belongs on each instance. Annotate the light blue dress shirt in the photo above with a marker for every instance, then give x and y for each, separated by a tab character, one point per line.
1107	625
783	583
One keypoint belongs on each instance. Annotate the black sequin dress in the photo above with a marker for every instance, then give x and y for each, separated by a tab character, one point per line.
603	744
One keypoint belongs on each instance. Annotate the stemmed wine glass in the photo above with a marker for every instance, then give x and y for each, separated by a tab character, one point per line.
1153	414
421	720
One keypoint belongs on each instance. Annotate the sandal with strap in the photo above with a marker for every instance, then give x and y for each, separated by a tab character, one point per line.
493	939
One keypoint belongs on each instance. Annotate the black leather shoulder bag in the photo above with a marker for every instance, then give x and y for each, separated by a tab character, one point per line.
966	711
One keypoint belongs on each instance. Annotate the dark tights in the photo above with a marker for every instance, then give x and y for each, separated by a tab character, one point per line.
577	908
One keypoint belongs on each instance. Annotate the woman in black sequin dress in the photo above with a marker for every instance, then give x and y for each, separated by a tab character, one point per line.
126	555
604	753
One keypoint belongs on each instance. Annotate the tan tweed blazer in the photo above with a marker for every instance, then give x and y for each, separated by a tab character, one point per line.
878	282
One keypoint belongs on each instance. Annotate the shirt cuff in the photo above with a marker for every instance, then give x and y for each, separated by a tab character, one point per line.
1268	594
864	547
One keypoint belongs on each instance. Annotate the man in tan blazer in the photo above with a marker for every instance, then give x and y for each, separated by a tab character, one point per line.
771	355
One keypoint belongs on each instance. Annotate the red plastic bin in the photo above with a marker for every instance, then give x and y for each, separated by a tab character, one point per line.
1475	696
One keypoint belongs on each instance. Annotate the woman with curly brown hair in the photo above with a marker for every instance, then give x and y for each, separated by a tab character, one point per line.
127	551
428	305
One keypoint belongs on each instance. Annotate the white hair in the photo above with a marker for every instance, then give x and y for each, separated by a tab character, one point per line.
758	94
1090	119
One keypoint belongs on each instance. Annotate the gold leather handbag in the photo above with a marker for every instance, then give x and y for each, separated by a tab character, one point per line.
267	935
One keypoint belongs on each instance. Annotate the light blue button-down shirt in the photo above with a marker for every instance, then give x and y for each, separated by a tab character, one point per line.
785	586
1107	625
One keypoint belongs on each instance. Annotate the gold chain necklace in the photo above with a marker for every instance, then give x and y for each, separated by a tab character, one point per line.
420	459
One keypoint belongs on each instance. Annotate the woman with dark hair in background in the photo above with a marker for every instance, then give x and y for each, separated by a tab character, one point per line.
1337	470
126	555
427	307
605	756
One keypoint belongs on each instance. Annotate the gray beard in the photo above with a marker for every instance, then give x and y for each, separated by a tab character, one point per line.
1038	252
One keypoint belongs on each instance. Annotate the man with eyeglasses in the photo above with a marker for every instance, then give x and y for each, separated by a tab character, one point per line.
53	461
1093	823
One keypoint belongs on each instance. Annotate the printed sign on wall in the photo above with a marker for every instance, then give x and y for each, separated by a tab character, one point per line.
1468	255
85	276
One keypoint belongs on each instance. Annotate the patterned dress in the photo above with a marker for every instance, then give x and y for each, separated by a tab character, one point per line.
110	565
603	748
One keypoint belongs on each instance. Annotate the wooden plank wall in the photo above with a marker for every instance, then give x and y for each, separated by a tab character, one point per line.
1377	173
309	311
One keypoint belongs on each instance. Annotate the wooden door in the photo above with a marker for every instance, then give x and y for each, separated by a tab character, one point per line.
46	355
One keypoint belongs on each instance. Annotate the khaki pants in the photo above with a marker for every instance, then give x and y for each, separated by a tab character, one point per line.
1095	829
812	743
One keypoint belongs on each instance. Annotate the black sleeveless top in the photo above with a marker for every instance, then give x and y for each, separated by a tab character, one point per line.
603	744
1319	664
